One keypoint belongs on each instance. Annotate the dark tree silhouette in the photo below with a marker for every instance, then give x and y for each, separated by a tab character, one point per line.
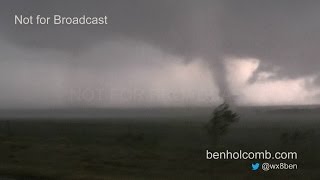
222	118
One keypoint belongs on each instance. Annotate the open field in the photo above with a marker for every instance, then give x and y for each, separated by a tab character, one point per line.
155	147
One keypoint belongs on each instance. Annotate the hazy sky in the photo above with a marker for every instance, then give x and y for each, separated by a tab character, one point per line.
161	53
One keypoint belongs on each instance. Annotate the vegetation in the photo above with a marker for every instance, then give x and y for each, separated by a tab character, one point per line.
222	118
162	148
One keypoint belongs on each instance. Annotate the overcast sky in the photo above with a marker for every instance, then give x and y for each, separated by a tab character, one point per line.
161	53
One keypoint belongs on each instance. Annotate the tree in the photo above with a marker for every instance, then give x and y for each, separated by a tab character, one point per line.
222	118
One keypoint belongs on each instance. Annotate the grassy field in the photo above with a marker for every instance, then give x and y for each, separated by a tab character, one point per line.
148	148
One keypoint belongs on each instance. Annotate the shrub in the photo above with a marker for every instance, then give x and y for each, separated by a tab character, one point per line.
222	118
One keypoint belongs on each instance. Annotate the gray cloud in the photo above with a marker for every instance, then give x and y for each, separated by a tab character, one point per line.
282	34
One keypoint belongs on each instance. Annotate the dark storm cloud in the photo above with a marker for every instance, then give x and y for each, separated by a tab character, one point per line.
172	25
282	34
